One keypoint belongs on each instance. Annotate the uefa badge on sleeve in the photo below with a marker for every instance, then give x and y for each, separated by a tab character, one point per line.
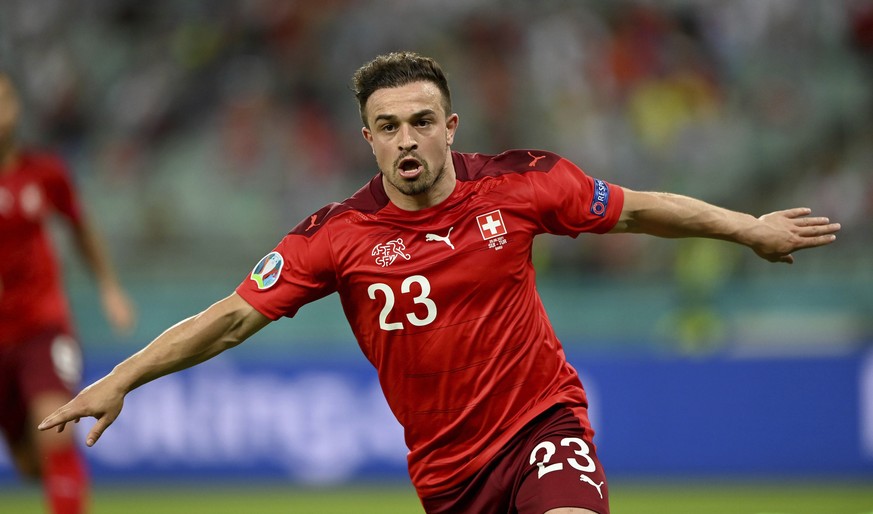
600	199
267	271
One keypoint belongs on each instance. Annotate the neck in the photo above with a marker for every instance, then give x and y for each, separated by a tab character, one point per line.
8	155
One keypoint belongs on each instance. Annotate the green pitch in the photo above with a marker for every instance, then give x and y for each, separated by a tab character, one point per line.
627	498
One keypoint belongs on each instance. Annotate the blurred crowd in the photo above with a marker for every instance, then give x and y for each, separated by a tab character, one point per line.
201	131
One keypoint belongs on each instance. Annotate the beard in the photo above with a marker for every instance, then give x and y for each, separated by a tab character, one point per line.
418	185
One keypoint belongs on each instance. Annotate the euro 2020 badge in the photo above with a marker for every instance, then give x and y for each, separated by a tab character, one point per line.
267	271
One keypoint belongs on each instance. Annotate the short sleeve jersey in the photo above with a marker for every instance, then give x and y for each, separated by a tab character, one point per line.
443	301
31	289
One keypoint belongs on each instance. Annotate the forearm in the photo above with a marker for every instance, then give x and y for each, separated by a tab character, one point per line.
772	236
189	342
673	216
95	256
221	326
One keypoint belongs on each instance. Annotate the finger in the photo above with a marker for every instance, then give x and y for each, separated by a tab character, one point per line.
776	258
811	222
54	420
796	212
818	228
813	242
824	230
59	419
97	430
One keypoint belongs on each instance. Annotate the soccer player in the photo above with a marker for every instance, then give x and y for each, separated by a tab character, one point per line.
432	262
40	361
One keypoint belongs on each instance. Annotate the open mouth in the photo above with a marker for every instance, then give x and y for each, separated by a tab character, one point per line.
409	167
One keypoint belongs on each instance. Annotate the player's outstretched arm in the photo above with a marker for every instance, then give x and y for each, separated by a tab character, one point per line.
773	236
225	324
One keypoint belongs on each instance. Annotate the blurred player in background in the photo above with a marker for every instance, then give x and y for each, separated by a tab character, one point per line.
40	360
432	262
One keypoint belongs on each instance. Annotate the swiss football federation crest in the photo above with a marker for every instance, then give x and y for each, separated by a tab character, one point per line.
387	253
267	272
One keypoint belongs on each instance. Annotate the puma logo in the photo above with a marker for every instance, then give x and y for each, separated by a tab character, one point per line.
587	480
312	222
444	239
535	159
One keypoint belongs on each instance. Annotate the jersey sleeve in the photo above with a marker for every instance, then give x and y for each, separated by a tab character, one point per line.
60	190
570	202
298	271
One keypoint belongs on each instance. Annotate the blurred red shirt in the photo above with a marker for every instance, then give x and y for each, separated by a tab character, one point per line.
31	287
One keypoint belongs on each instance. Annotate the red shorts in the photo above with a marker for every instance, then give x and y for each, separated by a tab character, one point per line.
50	362
551	463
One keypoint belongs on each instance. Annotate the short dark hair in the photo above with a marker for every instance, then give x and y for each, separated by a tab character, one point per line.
398	69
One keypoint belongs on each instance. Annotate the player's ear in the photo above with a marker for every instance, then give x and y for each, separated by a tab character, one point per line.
452	126
368	136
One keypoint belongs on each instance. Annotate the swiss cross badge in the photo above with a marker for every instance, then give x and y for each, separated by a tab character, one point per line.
492	228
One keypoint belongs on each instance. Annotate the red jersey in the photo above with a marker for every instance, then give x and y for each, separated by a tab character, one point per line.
31	288
443	301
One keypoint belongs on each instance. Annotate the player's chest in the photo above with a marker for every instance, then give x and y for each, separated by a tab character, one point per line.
22	203
463	246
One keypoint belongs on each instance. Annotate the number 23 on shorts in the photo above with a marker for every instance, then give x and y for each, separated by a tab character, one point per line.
543	453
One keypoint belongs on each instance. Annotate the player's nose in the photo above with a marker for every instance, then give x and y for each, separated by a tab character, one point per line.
407	139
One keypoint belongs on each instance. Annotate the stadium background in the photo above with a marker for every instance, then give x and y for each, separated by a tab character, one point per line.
200	132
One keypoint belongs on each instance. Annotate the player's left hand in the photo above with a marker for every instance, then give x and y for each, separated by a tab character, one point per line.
782	232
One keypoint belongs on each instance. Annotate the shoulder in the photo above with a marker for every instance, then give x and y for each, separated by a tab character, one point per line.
43	159
474	166
368	200
44	163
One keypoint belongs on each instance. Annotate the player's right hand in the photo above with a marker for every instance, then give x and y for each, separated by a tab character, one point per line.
100	400
119	309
